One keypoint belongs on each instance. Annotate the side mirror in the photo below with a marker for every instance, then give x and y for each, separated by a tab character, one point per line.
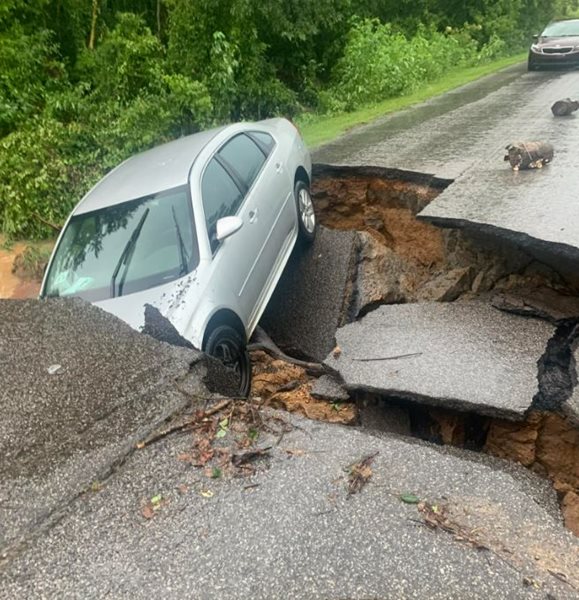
536	37
227	226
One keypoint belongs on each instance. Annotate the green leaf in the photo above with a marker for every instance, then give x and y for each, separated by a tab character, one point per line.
252	434
409	498
216	473
156	499
224	423
221	433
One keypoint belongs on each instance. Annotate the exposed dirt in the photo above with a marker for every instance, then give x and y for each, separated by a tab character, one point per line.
283	385
549	444
21	270
402	259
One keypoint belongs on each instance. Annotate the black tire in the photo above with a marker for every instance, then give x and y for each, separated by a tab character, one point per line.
228	346
532	65
307	219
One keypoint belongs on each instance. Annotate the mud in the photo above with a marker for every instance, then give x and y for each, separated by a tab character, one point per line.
16	280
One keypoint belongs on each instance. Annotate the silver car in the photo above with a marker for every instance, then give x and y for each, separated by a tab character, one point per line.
187	241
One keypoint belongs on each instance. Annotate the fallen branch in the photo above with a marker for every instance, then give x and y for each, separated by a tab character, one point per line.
179	427
56	228
262	341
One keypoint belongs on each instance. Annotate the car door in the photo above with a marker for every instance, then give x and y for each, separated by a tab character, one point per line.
255	158
233	258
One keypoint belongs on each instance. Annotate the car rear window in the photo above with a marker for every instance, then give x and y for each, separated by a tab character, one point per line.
265	141
245	156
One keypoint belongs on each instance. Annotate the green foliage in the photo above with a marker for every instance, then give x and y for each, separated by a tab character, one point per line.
380	62
29	71
160	69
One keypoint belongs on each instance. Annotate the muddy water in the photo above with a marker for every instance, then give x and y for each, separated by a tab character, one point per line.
12	286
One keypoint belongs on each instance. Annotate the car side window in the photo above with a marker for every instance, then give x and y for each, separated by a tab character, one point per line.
221	198
244	156
264	140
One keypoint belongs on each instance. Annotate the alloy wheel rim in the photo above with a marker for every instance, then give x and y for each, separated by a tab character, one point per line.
307	214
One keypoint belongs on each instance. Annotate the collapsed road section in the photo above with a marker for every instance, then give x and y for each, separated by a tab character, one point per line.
453	336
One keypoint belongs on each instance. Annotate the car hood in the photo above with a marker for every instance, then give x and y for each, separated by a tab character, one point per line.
163	303
550	42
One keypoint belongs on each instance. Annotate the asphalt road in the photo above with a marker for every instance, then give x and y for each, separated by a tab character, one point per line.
291	530
461	137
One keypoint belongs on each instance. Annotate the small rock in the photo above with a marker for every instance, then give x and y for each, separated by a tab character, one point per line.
53	369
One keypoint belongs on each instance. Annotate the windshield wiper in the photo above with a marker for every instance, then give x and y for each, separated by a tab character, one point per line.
126	256
182	249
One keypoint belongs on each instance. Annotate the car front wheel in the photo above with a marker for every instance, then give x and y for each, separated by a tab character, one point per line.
307	221
227	345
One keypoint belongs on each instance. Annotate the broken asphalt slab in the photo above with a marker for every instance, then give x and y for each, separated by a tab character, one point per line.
79	389
292	530
312	297
466	356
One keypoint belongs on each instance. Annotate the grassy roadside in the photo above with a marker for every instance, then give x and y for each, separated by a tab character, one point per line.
317	131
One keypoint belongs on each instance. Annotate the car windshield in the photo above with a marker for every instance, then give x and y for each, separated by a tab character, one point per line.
561	29
125	248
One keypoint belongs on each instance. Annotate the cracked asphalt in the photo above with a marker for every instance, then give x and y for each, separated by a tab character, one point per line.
291	530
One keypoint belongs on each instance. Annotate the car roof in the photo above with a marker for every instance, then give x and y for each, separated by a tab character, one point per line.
161	168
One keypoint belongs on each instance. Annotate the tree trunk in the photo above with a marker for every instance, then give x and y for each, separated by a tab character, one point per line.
159	18
95	12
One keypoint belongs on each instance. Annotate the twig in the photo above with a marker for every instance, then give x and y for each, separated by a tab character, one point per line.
379	358
179	427
47	223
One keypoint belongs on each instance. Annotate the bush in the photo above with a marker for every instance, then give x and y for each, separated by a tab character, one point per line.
380	62
28	66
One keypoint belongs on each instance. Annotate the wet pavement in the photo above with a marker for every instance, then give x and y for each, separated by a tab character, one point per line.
292	531
462	137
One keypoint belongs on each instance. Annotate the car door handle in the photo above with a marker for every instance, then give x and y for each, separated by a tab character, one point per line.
278	167
253	215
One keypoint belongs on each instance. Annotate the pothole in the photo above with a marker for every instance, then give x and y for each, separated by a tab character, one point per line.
399	259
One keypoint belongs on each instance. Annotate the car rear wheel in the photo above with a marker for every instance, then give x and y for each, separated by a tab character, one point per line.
307	221
227	345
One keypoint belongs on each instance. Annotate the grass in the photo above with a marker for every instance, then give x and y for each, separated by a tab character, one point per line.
318	130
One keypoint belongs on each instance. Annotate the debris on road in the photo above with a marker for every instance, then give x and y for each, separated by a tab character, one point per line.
359	474
563	108
283	385
529	155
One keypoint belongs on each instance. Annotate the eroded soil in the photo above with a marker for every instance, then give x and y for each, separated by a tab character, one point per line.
402	259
